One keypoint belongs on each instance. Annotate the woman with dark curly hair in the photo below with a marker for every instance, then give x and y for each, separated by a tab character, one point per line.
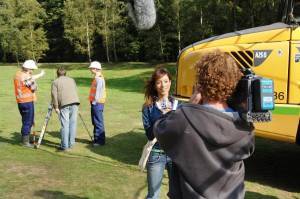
206	139
157	103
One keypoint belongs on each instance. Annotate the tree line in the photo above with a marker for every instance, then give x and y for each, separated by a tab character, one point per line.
84	30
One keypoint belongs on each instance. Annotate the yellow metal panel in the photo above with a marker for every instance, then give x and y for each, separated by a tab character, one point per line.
275	67
187	74
294	83
284	125
265	133
296	34
259	37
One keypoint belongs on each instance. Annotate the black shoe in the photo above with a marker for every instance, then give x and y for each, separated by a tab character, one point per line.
60	149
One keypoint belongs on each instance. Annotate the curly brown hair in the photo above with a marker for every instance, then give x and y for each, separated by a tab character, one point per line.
150	90
217	76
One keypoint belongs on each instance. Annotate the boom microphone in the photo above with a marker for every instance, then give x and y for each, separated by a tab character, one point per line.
143	13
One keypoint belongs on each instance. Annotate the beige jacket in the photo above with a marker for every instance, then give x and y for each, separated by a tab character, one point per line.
64	92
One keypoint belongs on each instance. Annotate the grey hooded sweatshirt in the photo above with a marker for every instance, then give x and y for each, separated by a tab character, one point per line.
207	148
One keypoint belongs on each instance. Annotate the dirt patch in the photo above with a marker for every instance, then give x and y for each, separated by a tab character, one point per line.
34	178
27	170
38	172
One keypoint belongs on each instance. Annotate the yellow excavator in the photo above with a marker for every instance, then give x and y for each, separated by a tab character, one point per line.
271	51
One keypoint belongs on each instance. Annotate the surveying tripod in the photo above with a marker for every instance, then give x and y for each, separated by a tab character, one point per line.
46	121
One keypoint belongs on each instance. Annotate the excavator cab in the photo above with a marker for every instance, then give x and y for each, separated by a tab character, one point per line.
270	51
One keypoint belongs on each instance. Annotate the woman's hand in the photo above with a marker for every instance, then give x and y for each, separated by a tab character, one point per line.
167	110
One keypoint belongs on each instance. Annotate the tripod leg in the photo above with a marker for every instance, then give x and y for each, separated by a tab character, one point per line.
87	130
47	118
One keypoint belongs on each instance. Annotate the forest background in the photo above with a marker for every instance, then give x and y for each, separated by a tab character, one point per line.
84	30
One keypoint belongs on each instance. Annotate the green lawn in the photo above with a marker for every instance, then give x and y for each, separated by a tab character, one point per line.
110	171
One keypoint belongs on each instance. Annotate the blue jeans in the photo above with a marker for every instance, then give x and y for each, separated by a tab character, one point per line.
97	121
27	112
68	120
156	165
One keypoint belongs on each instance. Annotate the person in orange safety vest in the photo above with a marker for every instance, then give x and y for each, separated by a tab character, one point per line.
25	88
97	99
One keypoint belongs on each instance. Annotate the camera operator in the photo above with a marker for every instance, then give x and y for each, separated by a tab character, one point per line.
206	139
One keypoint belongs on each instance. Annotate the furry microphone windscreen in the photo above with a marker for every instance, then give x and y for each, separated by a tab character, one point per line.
143	13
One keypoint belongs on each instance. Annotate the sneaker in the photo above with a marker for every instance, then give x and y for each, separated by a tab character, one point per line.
96	144
61	149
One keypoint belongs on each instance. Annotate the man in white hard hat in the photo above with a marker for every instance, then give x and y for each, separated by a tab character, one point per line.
25	87
97	99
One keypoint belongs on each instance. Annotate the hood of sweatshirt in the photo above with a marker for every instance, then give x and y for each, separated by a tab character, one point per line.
217	128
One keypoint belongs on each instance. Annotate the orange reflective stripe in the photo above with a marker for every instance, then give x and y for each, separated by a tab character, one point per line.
26	95
93	90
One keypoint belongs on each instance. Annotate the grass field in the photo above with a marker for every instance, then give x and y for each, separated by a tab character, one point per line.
273	172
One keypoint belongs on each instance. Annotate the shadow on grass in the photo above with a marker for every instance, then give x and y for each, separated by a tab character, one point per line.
55	194
129	84
15	140
275	164
138	65
84	141
107	66
124	147
45	141
133	83
67	66
254	195
56	134
139	191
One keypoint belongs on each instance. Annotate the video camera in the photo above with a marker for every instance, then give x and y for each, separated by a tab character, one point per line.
253	97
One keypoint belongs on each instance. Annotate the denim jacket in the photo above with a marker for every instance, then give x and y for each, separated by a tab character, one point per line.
150	114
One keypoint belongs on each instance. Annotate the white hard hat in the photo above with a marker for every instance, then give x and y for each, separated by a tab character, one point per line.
29	64
95	64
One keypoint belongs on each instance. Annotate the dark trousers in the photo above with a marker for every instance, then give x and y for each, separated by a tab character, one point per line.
97	120
27	113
